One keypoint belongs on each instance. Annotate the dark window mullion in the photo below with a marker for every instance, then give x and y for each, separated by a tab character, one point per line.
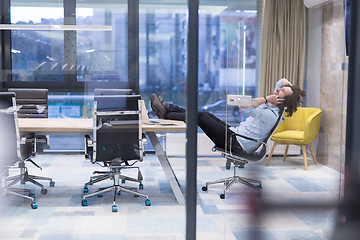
133	45
5	45
70	56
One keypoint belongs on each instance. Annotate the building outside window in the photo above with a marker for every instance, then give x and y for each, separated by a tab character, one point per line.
227	38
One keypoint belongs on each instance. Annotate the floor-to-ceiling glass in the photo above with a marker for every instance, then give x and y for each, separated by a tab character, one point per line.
72	64
295	203
37	55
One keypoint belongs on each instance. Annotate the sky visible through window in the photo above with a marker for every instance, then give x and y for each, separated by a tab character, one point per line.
35	14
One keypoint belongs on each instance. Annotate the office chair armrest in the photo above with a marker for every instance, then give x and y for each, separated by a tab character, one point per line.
88	146
257	155
27	144
88	141
144	139
236	134
29	138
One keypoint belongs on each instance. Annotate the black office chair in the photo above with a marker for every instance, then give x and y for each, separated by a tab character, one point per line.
116	144
116	92
10	148
32	103
239	160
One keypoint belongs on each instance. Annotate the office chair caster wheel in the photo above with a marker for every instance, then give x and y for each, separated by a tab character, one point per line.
85	190
222	196
22	182
91	182
43	191
204	188
114	208
84	203
87	156
34	205
52	184
118	193
141	186
100	195
122	180
147	202
259	186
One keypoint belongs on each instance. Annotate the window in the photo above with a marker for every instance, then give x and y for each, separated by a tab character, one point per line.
226	35
37	55
102	55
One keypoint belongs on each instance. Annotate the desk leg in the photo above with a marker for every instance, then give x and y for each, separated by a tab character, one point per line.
166	166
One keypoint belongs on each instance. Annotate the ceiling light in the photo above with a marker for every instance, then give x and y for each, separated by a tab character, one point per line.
15	51
89	51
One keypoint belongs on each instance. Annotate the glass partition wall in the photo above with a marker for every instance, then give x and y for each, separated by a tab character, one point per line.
72	63
294	203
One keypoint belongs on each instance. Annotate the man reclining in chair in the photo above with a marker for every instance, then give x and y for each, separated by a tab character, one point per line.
263	114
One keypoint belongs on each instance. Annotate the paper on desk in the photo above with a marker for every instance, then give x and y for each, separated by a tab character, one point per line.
162	123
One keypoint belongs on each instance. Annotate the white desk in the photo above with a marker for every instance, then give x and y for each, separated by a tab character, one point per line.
70	126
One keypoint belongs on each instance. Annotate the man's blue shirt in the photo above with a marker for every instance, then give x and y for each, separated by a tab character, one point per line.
258	125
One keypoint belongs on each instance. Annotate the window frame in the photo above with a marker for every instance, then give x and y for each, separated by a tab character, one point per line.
70	83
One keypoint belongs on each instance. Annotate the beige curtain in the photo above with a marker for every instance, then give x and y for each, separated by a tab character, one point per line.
283	44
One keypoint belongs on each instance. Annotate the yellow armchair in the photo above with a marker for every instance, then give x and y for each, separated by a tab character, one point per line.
302	128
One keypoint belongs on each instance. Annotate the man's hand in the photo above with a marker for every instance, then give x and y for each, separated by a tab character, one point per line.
273	99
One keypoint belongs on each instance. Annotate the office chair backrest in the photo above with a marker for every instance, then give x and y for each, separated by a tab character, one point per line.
278	121
9	132
6	100
33	102
102	92
114	92
117	103
261	152
117	128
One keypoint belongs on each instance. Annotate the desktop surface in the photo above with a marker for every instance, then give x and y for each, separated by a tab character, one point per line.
85	125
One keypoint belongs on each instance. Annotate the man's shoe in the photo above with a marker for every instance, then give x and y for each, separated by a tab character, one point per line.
159	105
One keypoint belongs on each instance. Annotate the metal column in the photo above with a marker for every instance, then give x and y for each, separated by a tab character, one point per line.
191	118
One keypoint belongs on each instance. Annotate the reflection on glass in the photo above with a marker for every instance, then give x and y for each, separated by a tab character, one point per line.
102	56
37	55
162	51
163	58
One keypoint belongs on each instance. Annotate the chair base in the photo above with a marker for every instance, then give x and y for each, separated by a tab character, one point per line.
104	175
20	192
24	177
229	181
116	188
